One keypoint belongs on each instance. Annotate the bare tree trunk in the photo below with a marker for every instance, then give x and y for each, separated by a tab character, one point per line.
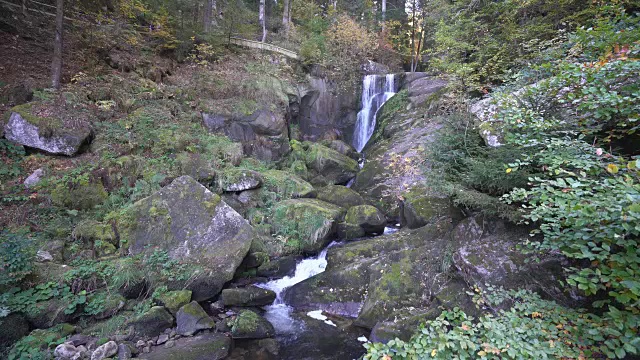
56	63
335	4
208	9
384	12
415	63
263	19
413	31
214	13
285	16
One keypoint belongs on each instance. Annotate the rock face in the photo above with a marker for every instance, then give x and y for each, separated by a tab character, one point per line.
249	325
287	185
327	109
313	221
263	134
105	351
191	318
12	327
56	139
174	300
326	166
340	195
420	90
420	206
201	347
249	296
370	219
193	225
152	323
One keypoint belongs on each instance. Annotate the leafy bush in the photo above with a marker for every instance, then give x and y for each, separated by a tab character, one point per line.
16	257
10	159
531	328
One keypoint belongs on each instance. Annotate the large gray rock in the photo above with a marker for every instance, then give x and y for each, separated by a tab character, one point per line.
66	351
105	351
191	318
202	347
370	219
50	136
249	296
421	205
312	222
341	196
236	179
333	167
152	323
194	226
34	178
421	90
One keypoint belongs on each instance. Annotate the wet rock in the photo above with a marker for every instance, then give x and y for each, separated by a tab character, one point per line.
313	220
34	178
174	300
152	323
191	318
370	219
249	325
278	268
421	206
341	196
349	231
202	347
197	227
249	296
235	179
50	135
333	166
104	351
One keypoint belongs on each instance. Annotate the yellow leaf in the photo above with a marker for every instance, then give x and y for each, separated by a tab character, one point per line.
509	170
612	168
434	352
482	353
632	165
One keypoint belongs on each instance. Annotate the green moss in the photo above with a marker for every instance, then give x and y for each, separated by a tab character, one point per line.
389	110
47	126
81	196
92	230
246	322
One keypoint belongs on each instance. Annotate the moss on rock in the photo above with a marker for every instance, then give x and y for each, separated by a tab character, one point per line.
368	217
341	196
174	300
82	196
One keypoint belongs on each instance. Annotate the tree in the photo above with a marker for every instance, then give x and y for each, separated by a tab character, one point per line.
56	63
263	19
286	15
208	10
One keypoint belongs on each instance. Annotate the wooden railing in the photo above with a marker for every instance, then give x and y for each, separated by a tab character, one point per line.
263	46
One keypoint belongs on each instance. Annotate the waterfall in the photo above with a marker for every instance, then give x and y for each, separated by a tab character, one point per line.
376	90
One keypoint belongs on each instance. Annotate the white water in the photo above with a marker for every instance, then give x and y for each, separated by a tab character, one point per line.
376	90
279	313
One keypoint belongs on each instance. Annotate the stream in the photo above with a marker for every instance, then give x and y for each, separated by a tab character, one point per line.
313	335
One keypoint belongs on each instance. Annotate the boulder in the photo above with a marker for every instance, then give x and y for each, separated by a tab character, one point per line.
194	226
174	300
237	179
287	185
40	339
249	296
51	135
249	325
485	112
45	314
312	222
343	148
112	303
348	231
105	351
370	219
125	351
151	323
196	166
191	318
82	196
278	268
66	351
336	168
213	346
340	195
34	178
420	206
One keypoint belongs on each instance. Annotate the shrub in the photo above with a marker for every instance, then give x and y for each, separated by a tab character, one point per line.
16	257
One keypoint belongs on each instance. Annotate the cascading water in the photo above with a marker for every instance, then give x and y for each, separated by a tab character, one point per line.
376	90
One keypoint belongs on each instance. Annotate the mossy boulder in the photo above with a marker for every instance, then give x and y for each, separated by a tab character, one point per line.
52	135
342	147
48	313
368	217
278	268
192	318
174	300
248	296
341	196
421	206
91	231
249	325
194	226
287	185
196	166
311	222
112	303
82	196
348	231
333	166
237	179
213	346
152	323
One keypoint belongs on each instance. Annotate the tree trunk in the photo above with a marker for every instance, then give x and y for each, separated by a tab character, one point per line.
285	16
214	13
384	12
413	32
56	63
263	19
208	9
